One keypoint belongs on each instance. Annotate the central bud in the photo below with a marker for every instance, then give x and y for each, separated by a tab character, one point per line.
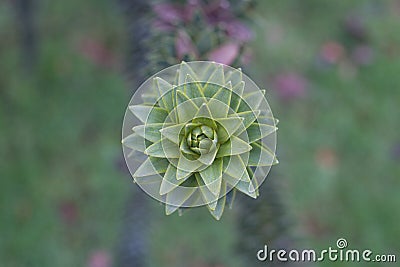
201	139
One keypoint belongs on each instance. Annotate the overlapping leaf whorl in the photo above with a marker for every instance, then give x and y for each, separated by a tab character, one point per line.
201	132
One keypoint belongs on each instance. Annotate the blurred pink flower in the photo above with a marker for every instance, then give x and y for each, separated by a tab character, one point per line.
184	45
225	54
99	258
218	11
332	52
168	13
290	85
238	31
362	55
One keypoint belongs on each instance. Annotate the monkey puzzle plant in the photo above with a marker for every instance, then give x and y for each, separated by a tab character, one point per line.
196	133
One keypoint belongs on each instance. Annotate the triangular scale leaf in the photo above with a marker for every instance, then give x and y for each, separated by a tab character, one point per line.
187	166
234	146
230	198
164	148
165	92
172	132
169	181
135	142
212	174
208	71
219	209
149	114
162	85
186	108
219	103
217	77
184	70
255	98
204	112
228	127
258	131
253	186
260	155
193	88
248	118
151	166
149	99
235	167
208	197
177	198
150	131
268	120
241	186
237	96
235	76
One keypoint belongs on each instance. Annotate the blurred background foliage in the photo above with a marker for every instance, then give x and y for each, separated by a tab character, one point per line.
331	69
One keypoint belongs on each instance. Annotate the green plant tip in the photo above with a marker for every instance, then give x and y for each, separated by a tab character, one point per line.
196	133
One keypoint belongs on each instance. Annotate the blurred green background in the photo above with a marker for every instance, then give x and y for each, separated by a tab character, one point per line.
332	70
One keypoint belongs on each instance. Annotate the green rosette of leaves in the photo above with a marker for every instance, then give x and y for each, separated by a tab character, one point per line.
196	133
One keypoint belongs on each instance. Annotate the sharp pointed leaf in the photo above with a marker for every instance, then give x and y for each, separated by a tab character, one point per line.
164	148
204	112
258	131
208	197
267	119
176	198
186	108
228	127
187	166
235	76
149	99
172	132
149	114
165	90
254	99
211	174
216	78
208	71
169	181
230	198
219	103
151	166
135	142
261	155
243	187
237	96
253	186
193	88
184	70
234	146
219	209
150	131
236	168
248	118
